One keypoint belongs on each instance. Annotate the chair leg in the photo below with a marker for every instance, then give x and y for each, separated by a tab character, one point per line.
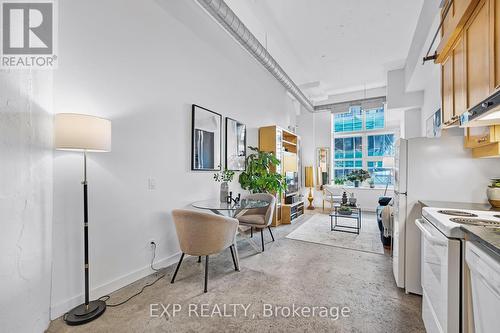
199	258
251	232
262	238
234	259
235	248
177	268
269	228
206	274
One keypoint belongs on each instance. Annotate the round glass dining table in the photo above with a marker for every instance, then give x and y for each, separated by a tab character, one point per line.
232	209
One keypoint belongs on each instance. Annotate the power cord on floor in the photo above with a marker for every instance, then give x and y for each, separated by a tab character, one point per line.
105	298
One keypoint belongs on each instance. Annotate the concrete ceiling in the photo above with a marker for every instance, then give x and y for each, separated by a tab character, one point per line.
333	46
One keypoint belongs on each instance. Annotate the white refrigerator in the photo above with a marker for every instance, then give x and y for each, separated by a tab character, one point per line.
438	169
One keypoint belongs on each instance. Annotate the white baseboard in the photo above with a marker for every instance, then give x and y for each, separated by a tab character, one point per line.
61	308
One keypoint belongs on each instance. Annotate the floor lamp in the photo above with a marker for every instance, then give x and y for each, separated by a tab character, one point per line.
309	182
83	133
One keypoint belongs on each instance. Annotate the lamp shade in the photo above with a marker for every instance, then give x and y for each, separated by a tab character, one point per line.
309	181
82	132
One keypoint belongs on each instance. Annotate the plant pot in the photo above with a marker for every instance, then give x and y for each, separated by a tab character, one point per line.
345	212
494	196
372	185
224	191
356	183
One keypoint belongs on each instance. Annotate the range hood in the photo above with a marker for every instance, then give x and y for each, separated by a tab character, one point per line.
485	113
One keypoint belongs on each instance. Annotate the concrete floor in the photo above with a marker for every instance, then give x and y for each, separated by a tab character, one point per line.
288	272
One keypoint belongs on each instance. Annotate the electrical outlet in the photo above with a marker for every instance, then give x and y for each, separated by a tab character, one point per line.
151	184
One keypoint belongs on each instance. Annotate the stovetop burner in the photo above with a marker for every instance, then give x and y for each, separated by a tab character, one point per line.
478	222
457	213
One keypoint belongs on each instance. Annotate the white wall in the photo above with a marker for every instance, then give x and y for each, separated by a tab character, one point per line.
25	200
142	64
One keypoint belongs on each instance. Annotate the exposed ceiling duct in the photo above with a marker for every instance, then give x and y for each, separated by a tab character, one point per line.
221	12
366	103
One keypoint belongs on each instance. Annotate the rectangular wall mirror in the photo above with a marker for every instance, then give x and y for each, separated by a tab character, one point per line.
236	140
206	136
323	166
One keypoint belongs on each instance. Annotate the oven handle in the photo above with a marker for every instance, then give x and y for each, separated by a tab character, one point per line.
426	233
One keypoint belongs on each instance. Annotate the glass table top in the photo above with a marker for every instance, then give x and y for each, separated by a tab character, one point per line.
215	204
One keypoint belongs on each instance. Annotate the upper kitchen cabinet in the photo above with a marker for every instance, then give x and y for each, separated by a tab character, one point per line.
495	42
477	39
454	21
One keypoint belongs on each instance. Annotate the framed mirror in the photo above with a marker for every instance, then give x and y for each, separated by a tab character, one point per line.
323	166
206	136
236	142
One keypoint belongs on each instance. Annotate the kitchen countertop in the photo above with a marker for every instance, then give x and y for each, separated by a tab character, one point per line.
488	237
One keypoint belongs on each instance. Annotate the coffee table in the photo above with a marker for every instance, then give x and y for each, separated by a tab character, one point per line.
335	215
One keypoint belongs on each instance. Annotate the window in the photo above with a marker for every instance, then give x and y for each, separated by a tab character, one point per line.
348	155
349	121
365	146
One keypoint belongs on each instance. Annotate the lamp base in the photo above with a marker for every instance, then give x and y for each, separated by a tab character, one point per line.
311	199
83	314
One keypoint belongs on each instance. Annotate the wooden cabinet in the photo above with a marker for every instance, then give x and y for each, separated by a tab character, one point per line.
495	42
454	84
478	55
447	91
481	136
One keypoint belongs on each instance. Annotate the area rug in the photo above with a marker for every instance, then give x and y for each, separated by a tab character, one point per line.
317	230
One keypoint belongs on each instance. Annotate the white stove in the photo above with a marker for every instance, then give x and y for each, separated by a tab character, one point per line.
449	221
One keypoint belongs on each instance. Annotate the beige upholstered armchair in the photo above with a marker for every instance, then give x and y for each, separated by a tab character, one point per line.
259	218
332	194
202	234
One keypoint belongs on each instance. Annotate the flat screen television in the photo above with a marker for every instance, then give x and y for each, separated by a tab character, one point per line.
292	182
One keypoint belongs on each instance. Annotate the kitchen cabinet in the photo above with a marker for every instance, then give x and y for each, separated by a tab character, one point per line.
481	136
495	42
477	41
447	91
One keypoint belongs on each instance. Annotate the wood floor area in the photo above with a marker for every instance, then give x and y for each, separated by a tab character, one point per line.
289	273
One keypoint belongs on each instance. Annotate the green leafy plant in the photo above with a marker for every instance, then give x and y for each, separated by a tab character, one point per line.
258	177
345	210
358	175
339	181
495	182
224	176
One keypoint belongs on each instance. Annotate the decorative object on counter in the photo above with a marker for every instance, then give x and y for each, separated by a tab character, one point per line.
344	210
352	200
230	200
371	182
259	176
493	192
83	133
224	177
236	141
206	139
309	182
358	176
344	198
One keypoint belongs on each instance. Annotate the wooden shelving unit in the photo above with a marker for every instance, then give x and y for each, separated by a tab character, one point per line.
285	146
291	212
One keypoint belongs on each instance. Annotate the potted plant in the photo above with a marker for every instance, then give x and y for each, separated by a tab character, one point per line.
224	177
371	182
344	210
339	181
258	176
358	176
493	192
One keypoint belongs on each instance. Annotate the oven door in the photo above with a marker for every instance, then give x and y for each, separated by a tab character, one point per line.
440	267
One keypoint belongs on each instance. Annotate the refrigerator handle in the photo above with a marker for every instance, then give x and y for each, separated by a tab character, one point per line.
400	193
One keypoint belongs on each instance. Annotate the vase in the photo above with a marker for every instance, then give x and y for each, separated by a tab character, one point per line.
356	183
494	196
224	191
352	201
